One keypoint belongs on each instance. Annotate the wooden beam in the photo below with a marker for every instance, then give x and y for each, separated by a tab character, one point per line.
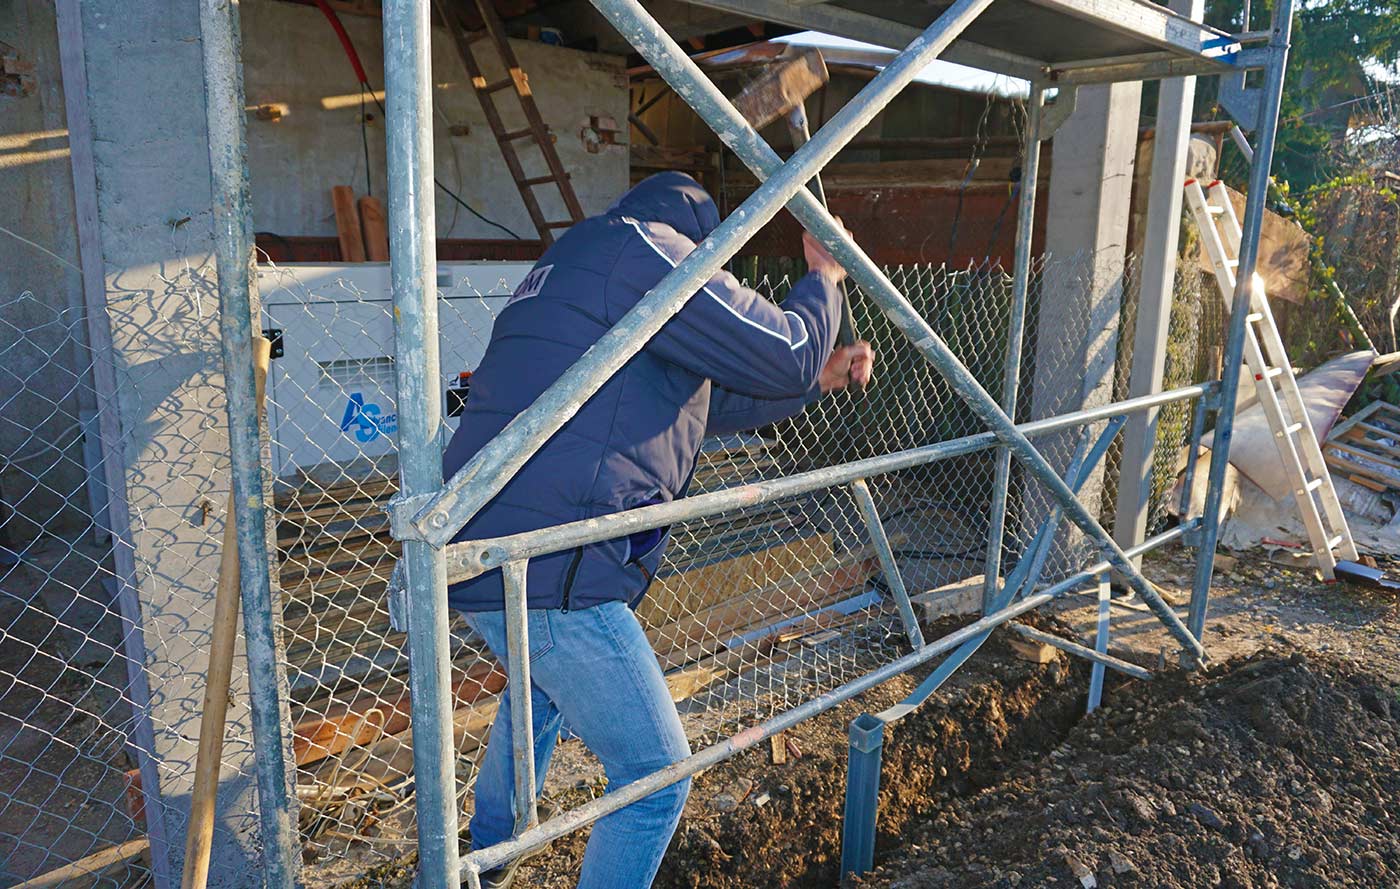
347	224
88	871
374	223
344	726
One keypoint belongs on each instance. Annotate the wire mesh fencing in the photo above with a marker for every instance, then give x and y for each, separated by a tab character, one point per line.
752	613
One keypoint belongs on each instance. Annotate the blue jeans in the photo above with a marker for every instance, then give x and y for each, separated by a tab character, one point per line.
595	670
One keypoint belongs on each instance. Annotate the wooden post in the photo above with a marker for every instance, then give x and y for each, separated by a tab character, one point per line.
225	635
347	224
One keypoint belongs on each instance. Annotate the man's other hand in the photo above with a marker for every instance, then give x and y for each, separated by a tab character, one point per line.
848	365
819	260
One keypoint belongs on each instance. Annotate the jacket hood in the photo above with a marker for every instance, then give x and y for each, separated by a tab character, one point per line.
674	199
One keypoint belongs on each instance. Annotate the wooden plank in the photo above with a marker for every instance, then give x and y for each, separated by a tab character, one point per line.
665	157
90	870
343	726
1339	461
1283	254
707	631
374	224
1367	483
347	224
1361	415
1364	452
671	598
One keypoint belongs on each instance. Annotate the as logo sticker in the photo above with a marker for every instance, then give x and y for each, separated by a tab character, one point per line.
531	285
367	420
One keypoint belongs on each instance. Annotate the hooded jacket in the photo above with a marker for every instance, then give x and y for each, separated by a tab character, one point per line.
729	360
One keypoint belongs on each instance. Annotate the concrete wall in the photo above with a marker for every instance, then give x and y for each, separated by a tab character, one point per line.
40	295
1082	289
145	105
163	387
292	59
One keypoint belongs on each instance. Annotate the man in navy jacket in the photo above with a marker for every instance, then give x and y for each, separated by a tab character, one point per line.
729	360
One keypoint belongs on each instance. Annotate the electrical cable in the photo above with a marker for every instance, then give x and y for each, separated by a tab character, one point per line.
354	57
978	146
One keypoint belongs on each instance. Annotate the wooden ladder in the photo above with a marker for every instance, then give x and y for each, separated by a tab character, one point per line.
535	129
1275	383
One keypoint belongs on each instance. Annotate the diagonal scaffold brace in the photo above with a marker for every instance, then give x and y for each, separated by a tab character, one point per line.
482	478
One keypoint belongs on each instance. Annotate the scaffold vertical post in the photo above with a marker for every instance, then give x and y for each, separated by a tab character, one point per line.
1270	97
233	250
413	278
1015	337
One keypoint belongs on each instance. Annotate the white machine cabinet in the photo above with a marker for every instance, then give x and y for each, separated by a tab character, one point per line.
332	394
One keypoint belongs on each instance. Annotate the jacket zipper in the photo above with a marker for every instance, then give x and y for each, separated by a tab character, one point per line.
569	579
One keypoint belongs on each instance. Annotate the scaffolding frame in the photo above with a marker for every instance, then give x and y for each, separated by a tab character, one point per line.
1100	41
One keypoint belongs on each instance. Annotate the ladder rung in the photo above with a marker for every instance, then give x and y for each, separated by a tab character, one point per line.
1232	263
474	36
495	86
1214	210
1269	373
517	134
559	224
1254	317
1312	486
1291	428
1335	541
540	180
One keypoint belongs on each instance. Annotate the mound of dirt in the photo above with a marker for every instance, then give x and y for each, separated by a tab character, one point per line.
750	822
1276	770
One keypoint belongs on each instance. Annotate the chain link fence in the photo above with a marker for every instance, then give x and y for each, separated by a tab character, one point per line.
753	612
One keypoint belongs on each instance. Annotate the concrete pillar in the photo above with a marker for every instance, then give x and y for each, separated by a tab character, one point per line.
1081	288
135	94
1160	235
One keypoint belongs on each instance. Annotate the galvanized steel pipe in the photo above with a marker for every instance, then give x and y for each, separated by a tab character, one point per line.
413	277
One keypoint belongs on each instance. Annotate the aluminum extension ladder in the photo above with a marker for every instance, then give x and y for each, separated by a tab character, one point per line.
1275	383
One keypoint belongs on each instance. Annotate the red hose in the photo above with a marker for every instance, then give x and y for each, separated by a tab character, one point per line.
344	40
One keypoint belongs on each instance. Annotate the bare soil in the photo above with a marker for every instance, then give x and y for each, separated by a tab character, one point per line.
1274	767
1277	769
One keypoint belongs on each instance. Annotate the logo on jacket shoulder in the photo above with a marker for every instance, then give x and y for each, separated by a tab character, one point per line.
532	284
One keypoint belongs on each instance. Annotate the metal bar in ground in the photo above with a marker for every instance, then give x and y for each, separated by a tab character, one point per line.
1023	577
469	558
1100	643
867	741
1188	478
1270	95
878	539
1083	651
493	856
1015	337
1026	574
522	734
476	483
413	277
233	251
681	72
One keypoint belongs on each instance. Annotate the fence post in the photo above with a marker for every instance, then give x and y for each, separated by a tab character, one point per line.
1270	95
1015	338
867	737
233	246
413	277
